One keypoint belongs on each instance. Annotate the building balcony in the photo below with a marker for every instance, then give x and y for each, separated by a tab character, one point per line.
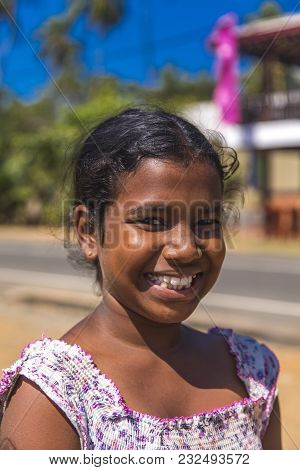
271	106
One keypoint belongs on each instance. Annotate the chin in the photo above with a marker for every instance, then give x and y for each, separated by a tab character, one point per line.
169	316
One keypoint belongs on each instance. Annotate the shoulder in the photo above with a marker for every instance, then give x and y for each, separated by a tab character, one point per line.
32	421
254	359
48	373
257	365
47	362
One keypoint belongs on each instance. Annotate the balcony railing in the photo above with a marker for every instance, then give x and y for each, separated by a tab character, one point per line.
271	106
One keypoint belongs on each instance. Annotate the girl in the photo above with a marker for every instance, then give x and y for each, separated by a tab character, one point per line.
148	213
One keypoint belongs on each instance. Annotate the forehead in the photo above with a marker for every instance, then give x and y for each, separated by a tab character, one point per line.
167	181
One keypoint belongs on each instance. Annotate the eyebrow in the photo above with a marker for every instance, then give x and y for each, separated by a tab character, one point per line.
217	206
146	206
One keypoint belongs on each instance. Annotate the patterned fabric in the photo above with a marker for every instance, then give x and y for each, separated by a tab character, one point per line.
94	405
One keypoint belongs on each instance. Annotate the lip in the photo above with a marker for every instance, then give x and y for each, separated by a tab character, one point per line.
167	294
172	274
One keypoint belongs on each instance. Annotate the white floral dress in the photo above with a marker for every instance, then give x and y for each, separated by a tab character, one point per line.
95	407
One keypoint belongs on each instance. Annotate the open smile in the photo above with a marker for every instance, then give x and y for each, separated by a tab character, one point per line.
166	289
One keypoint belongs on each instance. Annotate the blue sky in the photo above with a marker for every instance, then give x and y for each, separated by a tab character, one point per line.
177	30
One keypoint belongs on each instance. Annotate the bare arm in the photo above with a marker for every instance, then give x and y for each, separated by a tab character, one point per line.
31	421
272	437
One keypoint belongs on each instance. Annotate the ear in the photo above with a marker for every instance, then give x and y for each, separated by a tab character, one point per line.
85	235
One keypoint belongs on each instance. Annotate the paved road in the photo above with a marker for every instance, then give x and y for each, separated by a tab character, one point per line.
262	276
273	278
254	293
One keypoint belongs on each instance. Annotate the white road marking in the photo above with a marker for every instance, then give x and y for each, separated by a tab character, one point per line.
277	269
253	304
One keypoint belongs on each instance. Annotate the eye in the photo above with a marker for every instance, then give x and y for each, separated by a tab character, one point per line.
150	223
156	221
208	222
208	228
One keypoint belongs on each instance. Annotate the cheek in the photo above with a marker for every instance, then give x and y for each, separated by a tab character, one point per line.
215	248
127	249
122	238
138	242
132	241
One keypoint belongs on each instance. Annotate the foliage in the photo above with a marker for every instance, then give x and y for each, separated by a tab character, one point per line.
267	10
177	89
36	137
108	97
106	12
57	44
30	159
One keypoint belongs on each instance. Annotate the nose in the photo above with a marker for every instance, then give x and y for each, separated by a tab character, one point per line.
182	245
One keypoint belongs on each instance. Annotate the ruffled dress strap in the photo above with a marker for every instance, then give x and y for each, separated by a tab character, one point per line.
257	366
56	368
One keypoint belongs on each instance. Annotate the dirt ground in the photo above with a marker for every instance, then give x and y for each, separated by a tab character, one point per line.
22	322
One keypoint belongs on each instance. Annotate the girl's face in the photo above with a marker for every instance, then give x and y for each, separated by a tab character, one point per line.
163	229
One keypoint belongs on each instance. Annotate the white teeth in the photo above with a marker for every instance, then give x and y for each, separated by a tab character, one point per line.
171	282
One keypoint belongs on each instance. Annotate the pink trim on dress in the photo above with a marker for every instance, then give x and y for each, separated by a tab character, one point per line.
121	401
10	375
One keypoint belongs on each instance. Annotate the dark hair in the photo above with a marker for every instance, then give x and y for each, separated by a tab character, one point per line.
117	146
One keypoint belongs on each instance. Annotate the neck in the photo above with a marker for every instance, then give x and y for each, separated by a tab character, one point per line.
131	329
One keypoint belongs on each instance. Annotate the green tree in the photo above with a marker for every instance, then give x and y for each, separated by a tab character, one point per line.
35	141
35	137
267	10
177	89
63	51
105	13
58	46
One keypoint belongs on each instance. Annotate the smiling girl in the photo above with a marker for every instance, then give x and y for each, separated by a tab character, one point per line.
148	214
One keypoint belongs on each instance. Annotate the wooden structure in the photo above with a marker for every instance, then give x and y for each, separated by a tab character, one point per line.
274	41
